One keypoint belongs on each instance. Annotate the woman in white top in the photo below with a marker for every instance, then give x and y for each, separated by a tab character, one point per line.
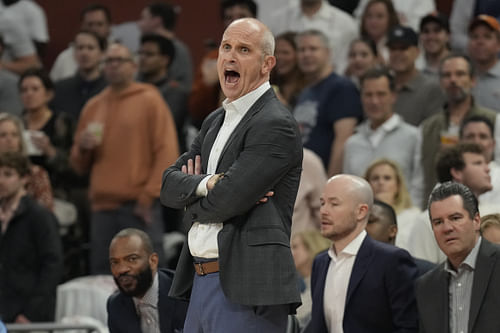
387	182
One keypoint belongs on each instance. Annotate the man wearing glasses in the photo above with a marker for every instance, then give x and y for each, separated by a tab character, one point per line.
156	55
125	138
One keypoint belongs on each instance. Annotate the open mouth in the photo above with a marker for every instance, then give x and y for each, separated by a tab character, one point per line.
231	76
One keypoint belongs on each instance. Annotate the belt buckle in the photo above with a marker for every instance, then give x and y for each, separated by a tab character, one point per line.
200	266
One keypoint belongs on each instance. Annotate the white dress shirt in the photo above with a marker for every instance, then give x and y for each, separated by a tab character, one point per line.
337	25
337	282
202	238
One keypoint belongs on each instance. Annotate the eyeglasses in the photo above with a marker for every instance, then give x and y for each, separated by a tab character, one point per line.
117	60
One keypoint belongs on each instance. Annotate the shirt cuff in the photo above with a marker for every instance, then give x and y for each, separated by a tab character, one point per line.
201	190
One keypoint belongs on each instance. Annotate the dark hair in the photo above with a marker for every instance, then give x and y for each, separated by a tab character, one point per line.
452	55
16	161
166	12
165	45
96	7
449	189
393	16
250	4
477	119
39	73
147	244
376	73
100	41
388	211
369	42
453	158
288	36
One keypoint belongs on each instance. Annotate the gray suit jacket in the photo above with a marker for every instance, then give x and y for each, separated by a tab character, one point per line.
432	295
264	152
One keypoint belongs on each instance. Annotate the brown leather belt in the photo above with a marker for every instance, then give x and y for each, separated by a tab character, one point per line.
204	268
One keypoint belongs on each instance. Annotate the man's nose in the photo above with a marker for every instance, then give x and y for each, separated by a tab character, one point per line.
122	268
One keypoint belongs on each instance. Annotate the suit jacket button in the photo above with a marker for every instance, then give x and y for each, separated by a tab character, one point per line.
194	216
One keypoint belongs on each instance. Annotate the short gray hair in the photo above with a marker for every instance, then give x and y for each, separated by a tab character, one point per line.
316	33
268	42
147	244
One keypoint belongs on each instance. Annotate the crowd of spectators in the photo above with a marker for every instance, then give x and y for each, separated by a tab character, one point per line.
388	90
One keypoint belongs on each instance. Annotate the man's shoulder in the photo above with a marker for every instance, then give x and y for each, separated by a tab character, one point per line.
478	110
117	302
322	257
165	276
383	250
8	78
437	119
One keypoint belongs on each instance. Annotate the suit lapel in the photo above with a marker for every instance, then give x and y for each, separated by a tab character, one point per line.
440	294
165	309
361	264
132	322
319	291
209	139
256	107
485	263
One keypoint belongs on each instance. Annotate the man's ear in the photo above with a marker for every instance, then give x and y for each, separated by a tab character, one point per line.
268	64
363	212
393	231
153	261
456	174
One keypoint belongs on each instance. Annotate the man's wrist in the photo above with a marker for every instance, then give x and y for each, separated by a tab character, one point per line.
202	189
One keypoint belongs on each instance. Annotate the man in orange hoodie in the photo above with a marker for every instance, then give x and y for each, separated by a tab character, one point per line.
125	138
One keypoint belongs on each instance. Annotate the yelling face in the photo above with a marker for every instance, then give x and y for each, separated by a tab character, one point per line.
242	65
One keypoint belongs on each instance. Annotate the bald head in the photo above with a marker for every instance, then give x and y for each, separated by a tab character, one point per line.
346	203
245	57
255	26
357	188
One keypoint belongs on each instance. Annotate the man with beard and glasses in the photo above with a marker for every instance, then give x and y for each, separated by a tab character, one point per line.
457	79
142	303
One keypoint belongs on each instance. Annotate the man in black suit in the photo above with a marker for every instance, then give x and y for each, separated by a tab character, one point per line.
359	285
461	294
142	303
239	249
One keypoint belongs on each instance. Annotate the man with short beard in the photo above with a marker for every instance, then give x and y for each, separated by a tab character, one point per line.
142	303
359	285
457	79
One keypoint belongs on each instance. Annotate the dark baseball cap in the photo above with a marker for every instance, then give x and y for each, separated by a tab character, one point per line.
402	36
437	18
485	20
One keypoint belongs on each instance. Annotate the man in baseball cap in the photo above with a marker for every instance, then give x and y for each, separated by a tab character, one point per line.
418	97
434	39
483	48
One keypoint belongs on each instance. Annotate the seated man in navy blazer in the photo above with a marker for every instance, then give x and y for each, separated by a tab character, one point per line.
359	285
142	303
